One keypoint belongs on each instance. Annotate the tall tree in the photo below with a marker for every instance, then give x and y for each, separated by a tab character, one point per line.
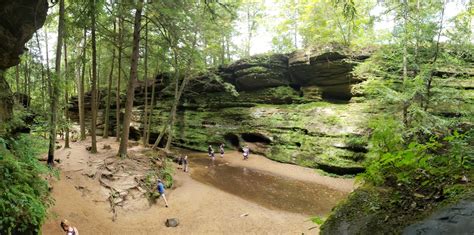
119	75
55	87
109	89
66	100
132	80
94	78
82	122
145	77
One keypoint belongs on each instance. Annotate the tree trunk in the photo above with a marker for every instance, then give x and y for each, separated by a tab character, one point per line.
145	128
43	83
150	113
66	99
55	86
405	39
17	77
132	80
173	112
93	81
119	78
435	58
6	102
109	92
82	122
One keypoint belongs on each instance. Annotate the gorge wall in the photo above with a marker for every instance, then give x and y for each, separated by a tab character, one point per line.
295	108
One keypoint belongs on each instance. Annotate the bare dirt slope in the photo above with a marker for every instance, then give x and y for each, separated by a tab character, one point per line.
200	208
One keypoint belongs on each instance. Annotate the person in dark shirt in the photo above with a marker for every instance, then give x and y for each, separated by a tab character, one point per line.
221	149
161	190
210	151
185	163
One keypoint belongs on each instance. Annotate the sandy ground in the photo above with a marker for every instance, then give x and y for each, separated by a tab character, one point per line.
200	208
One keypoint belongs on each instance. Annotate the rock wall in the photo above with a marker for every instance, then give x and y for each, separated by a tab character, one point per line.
19	19
291	108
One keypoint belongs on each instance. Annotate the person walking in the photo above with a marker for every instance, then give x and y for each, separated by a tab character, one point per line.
221	148
161	190
185	163
70	230
210	151
246	151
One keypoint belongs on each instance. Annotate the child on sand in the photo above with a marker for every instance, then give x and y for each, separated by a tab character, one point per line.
70	230
185	163
161	190
221	148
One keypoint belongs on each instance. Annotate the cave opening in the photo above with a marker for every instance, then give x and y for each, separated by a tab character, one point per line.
337	94
134	134
154	136
256	137
233	139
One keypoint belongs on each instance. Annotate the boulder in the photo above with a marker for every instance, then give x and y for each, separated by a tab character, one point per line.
322	69
257	72
173	222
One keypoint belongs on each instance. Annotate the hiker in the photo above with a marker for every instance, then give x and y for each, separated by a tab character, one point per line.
180	162
210	151
70	230
221	148
185	163
246	151
161	190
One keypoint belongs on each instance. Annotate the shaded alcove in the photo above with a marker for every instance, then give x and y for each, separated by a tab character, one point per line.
134	134
233	139
154	136
256	137
337	93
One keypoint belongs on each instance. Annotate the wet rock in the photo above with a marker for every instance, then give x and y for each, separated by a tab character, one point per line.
173	222
454	219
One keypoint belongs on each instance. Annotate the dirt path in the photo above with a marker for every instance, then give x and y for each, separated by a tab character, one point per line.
201	209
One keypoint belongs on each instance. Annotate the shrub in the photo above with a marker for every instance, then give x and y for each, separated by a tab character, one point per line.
25	196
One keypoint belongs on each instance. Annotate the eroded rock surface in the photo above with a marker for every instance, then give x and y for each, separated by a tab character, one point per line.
290	108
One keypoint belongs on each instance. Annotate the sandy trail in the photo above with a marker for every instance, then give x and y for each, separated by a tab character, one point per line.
200	208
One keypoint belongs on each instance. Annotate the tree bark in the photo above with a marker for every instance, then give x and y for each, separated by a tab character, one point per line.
55	86
435	58
6	102
17	77
119	77
43	83
82	122
66	99
150	113
132	80
93	81
109	92
145	128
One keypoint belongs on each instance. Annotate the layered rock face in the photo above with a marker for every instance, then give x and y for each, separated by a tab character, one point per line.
292	108
19	19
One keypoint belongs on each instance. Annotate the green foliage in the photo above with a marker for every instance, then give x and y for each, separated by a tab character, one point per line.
166	174
423	167
25	196
318	220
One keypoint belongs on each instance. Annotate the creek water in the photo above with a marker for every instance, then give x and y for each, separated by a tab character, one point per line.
264	188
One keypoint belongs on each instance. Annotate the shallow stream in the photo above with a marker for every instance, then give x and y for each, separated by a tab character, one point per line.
265	188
